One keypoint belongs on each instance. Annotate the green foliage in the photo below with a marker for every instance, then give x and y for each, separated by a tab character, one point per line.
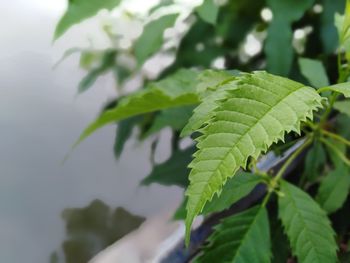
260	109
278	47
343	107
208	11
236	118
151	39
173	171
177	90
306	225
334	189
314	161
176	118
235	189
314	72
342	88
79	10
107	62
236	239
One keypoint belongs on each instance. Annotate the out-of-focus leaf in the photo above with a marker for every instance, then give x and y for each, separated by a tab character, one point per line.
343	125
174	171
123	133
79	10
161	4
328	31
151	39
334	189
278	46
67	54
89	57
314	71
336	161
314	161
174	91
343	106
208	11
107	62
175	118
235	189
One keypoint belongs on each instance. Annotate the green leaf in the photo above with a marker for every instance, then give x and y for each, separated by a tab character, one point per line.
151	39
79	10
314	71
173	91
123	133
343	88
278	46
307	226
174	171
176	118
212	89
244	237
180	213
208	11
343	106
235	189
334	189
259	109
107	62
314	161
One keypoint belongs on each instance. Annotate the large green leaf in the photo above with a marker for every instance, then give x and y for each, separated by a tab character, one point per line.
235	189
343	106
258	111
79	10
151	39
314	71
173	91
334	189
240	238
307	226
208	11
174	171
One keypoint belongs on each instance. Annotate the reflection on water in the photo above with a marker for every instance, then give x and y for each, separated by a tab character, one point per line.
91	229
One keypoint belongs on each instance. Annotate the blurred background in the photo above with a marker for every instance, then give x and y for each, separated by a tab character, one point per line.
40	118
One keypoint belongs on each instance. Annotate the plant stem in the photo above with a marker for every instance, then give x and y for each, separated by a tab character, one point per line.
274	181
336	137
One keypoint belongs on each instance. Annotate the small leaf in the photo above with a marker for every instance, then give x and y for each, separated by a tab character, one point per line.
123	133
314	71
244	237
343	88
208	11
107	62
174	171
235	189
334	189
176	118
343	106
151	39
307	226
79	10
173	91
314	161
